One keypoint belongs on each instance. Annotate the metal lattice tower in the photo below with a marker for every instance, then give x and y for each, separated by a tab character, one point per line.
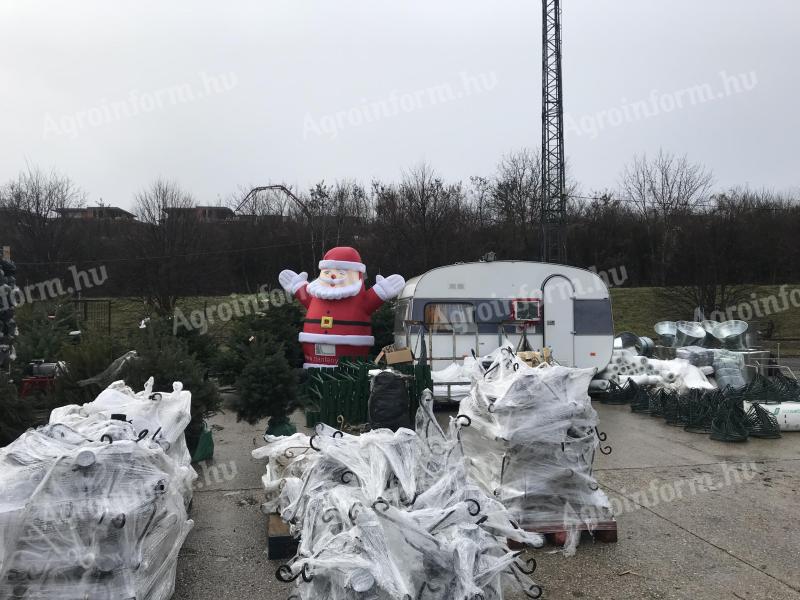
554	200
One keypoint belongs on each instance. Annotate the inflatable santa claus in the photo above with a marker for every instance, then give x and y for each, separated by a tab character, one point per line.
337	322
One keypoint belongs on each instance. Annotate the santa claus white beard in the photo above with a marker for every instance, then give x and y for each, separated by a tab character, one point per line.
321	288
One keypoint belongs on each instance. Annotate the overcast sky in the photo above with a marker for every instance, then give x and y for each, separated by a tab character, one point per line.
218	95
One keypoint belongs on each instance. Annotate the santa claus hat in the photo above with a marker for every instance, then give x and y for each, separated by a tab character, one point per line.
343	257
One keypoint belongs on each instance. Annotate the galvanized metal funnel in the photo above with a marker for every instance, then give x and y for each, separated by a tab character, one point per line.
710	340
666	331
689	333
731	334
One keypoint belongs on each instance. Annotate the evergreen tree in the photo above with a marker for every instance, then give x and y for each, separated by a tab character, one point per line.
16	414
266	385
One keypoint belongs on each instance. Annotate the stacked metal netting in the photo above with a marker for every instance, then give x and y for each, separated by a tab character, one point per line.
531	443
391	516
8	324
729	415
95	505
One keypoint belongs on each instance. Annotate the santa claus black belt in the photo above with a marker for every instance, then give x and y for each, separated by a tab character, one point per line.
327	322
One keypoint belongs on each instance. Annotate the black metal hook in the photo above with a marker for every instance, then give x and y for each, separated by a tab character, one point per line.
286	575
105	437
289	452
459	417
329	515
528	568
381	502
347	477
425	585
534	591
352	512
476	504
338	434
602	436
311	442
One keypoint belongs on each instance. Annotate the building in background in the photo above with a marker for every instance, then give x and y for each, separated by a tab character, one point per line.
89	213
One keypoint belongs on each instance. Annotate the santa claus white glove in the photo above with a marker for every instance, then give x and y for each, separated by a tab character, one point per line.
389	287
291	281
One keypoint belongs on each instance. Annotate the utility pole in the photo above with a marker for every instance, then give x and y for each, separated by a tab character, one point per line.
553	181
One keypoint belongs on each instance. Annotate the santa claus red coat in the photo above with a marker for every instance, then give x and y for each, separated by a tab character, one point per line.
337	322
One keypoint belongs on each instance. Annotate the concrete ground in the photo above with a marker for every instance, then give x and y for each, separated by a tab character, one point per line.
697	519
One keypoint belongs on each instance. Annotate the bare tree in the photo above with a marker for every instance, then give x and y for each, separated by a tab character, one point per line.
422	220
340	212
663	190
172	240
33	203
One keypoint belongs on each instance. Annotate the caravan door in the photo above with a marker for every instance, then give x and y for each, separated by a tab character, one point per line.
559	316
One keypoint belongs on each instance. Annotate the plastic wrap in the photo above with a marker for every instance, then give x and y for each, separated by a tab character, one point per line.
696	355
729	370
678	374
94	507
391	516
453	381
111	372
531	443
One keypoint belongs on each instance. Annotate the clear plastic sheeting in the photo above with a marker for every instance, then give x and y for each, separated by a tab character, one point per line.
392	516
697	356
729	370
95	507
454	380
112	371
531	444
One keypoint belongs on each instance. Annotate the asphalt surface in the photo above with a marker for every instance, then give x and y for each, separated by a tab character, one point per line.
697	519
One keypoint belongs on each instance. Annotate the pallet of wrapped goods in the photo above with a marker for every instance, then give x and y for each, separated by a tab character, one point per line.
531	442
94	503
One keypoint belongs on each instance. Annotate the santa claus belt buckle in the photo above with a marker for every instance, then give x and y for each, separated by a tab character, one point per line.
326	322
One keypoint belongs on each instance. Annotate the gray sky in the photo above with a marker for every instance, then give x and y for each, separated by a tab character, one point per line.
218	95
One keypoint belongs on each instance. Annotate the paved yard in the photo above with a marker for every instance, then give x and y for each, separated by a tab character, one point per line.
699	519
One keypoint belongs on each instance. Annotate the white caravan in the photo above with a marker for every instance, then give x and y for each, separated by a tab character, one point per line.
470	307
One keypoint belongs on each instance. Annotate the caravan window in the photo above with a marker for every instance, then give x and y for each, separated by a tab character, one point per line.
450	317
401	316
527	309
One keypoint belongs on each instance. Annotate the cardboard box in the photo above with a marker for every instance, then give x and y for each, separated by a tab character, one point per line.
395	357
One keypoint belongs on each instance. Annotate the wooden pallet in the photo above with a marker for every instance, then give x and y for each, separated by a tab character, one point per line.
280	543
556	534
